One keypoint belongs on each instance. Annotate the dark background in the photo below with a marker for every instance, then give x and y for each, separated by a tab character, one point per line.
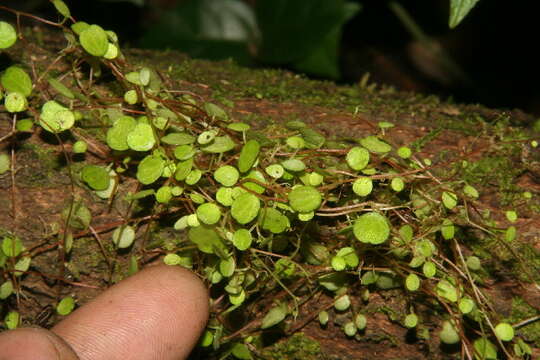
495	46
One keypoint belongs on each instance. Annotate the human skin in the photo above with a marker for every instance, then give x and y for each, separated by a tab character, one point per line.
157	314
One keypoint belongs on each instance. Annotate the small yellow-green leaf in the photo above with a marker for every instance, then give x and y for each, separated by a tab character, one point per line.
94	40
362	186
150	169
15	79
374	144
245	208
141	138
371	228
123	236
209	213
248	155
65	306
8	35
274	316
449	199
97	177
62	8
226	175
305	198
357	158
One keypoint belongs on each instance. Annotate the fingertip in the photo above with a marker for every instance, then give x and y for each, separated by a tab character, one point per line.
165	306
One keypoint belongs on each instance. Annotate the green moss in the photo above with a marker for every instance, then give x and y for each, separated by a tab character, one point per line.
296	347
521	311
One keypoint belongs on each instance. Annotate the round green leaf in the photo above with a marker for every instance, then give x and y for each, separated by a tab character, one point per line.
206	137
273	221
65	306
94	40
305	198
8	35
360	321
141	138
15	79
295	142
248	155
224	196
357	158
446	290
323	318
350	257
163	194
349	328
6	289
256	175
12	319
374	144
178	139
404	152
466	305
473	263
274	316
15	102
412	282
239	126
184	152
117	135
449	199
215	111
193	177
338	263
504	331
448	334
22	265
471	191
79	147
371	228
342	303
276	171
12	246
183	169
62	8
362	186
97	177
245	208
429	269
294	165
242	239
511	215
5	163
448	229
79	27
205	238
411	320
55	117
241	351
123	236
485	349
510	234
226	175
150	169
209	213
220	145
397	184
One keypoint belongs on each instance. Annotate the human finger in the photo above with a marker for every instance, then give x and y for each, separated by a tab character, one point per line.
158	313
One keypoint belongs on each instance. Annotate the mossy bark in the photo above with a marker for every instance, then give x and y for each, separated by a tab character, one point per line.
496	144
